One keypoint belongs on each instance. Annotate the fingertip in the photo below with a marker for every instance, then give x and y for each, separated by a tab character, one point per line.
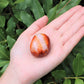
41	22
78	6
46	17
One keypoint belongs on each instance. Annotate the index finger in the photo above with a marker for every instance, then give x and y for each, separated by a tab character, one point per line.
58	22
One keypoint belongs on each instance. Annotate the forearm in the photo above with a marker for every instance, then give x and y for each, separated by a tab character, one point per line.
9	77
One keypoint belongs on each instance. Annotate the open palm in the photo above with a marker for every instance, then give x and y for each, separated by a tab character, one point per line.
64	33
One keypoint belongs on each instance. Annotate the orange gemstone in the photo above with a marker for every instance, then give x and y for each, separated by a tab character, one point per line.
40	45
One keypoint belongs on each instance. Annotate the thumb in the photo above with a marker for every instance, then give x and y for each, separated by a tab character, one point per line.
37	25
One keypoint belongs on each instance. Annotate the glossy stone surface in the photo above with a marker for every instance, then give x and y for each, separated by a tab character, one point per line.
40	45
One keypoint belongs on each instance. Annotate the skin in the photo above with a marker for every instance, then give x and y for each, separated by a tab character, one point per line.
64	33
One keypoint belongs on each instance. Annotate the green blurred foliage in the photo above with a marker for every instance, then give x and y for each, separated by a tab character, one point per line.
17	15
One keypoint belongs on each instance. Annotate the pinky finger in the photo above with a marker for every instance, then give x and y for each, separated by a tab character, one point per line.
70	44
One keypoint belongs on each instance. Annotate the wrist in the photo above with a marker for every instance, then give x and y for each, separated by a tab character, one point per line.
9	76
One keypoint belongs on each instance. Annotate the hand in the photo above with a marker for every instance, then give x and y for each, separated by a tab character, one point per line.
64	33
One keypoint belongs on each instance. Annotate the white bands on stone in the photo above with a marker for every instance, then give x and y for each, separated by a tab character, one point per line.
40	45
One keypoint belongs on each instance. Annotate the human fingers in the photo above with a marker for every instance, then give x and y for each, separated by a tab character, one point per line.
75	28
58	22
72	20
72	42
63	50
37	25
